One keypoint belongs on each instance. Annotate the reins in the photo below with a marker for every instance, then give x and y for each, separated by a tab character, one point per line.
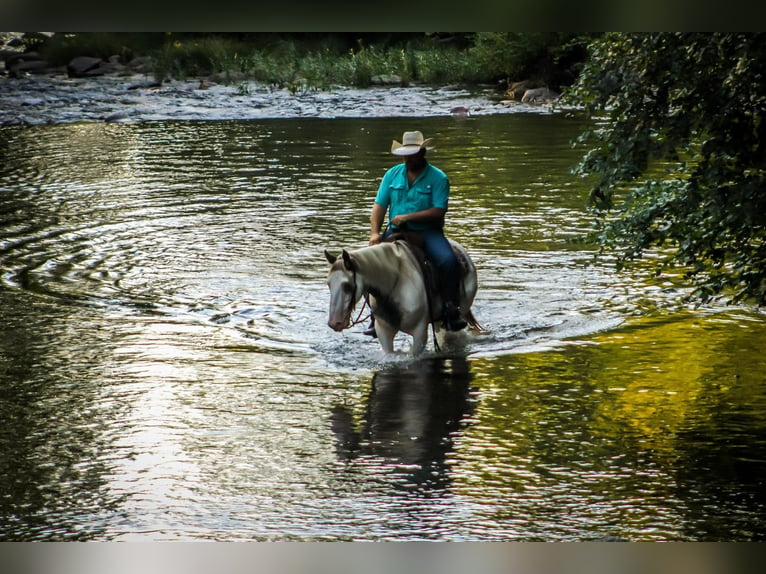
359	318
352	302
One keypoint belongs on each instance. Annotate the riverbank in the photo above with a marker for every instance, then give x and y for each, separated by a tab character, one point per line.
54	99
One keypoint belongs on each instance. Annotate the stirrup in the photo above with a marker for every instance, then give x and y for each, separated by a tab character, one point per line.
370	331
452	319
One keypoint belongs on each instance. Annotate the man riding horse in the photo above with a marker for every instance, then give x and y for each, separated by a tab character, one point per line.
416	194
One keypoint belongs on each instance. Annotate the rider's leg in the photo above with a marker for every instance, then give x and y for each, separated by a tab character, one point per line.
439	251
370	330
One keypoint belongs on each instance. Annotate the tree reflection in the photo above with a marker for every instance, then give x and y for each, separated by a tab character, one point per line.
411	417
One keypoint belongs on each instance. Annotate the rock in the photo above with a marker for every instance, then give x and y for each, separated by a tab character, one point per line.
205	84
14	58
516	89
382	79
32	67
145	85
116	117
104	68
5	54
459	112
141	64
79	66
540	96
18	64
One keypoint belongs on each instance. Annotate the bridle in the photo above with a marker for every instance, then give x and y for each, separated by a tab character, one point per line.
359	318
352	303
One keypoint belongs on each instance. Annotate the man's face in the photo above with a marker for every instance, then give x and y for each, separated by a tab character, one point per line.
416	160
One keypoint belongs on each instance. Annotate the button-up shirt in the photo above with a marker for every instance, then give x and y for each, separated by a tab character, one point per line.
430	189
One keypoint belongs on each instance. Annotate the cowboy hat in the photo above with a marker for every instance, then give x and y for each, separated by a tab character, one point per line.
412	142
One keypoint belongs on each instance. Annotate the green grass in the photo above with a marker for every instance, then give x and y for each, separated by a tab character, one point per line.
311	62
286	65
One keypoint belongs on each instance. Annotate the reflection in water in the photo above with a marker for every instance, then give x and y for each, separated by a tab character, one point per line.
57	449
411	416
625	437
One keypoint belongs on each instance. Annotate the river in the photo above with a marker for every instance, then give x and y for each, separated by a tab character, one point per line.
166	372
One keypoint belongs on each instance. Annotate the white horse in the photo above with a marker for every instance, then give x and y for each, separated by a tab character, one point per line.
390	275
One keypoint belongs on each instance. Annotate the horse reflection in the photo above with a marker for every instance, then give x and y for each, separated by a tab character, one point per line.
412	415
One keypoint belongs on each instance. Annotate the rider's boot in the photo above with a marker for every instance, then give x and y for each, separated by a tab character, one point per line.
452	319
370	331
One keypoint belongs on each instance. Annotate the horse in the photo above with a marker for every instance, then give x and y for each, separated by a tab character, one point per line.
392	279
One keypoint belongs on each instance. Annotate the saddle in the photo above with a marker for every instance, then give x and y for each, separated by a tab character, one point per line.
430	276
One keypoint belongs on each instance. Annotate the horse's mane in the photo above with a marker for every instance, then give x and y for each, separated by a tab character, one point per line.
382	264
384	267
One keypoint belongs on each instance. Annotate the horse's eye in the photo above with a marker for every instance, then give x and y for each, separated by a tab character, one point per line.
347	287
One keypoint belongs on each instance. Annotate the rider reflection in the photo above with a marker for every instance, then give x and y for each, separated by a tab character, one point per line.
412	416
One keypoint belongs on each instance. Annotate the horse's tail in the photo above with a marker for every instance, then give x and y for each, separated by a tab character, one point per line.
473	324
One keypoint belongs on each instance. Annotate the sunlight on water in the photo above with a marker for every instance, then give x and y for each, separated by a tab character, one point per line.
167	373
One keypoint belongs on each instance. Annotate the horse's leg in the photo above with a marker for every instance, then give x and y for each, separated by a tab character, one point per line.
419	339
386	335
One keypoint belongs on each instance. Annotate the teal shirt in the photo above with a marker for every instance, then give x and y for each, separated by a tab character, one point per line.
430	189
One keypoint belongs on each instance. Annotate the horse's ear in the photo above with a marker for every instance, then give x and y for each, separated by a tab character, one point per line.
347	261
330	258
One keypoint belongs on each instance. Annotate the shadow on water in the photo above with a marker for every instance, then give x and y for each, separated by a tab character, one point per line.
410	417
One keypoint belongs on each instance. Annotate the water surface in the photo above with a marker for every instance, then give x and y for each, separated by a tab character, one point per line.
166	371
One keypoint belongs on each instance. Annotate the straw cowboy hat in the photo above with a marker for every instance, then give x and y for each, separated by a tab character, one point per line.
412	142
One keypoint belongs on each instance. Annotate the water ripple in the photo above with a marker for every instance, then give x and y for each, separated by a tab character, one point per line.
166	371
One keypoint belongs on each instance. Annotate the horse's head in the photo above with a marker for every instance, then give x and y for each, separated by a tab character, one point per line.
345	290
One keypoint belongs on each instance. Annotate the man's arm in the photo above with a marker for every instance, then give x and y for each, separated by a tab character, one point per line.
430	214
376	222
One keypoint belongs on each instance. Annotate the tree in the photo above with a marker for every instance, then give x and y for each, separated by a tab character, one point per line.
553	58
678	154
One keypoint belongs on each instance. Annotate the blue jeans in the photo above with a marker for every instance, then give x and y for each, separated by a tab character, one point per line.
439	252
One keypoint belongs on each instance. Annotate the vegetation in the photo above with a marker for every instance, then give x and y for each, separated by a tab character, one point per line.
319	61
553	59
677	154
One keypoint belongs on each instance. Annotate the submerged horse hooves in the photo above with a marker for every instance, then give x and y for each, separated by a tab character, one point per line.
390	275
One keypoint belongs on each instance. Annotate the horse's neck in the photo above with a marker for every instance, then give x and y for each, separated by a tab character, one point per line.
381	266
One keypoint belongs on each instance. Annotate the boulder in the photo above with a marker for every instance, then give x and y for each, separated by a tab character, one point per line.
116	117
540	96
18	64
516	90
383	79
5	54
104	68
141	64
32	67
79	67
13	58
146	85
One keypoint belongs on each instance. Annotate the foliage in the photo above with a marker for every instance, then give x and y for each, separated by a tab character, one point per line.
60	48
551	58
678	161
292	64
180	57
319	61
